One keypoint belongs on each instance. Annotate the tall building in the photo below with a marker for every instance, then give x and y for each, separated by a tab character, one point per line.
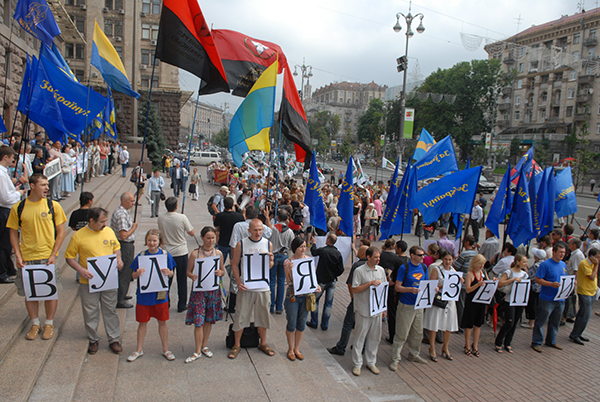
555	89
132	28
349	100
210	119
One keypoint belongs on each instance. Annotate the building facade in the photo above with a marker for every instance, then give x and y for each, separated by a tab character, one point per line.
555	90
132	28
210	119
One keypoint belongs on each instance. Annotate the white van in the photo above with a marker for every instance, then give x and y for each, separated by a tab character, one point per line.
204	158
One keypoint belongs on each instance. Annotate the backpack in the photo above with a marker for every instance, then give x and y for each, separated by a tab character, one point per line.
50	209
134	175
209	204
297	217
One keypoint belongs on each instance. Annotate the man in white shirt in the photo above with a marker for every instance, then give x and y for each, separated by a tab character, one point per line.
508	256
490	246
9	196
476	217
570	310
124	159
240	229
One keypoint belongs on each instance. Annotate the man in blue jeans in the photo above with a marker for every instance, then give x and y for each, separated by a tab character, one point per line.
331	265
281	238
587	275
548	276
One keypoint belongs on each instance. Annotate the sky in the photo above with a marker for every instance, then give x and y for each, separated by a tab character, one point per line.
353	40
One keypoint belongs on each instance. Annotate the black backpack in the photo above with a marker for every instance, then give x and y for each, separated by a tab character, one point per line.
297	217
209	204
134	175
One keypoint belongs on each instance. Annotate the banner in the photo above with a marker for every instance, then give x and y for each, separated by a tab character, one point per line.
53	169
357	173
409	122
378	296
520	226
501	206
105	271
304	276
204	269
426	294
255	271
153	279
343	244
392	202
39	282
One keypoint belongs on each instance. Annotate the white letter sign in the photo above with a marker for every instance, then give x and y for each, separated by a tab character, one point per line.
205	269
567	284
519	294
343	244
255	271
378	298
39	282
426	294
105	271
486	292
304	274
153	280
452	285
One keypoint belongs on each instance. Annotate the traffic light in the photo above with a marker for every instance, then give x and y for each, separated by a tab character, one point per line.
402	63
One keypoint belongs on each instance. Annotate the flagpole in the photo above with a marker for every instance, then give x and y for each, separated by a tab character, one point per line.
139	179
190	146
277	173
87	107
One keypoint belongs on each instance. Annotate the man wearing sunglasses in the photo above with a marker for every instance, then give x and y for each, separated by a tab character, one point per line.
409	322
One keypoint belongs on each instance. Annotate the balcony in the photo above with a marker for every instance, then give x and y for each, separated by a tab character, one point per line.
529	105
503	123
579	117
553	119
590	42
584	98
507	91
503	107
585	79
544	85
509	60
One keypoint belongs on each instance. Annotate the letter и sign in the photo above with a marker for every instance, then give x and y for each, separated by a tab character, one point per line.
204	269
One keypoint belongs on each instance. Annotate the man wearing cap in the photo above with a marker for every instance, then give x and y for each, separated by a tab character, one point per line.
218	205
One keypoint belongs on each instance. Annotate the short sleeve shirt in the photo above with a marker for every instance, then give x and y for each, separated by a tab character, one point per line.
89	243
411	279
150	299
121	220
362	275
551	271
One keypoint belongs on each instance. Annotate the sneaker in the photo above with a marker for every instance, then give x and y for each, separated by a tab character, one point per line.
48	332
417	359
537	348
356	371
93	348
374	369
33	333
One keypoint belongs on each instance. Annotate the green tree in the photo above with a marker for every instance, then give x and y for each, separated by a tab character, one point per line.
542	151
515	150
585	158
369	124
347	147
324	127
470	82
221	139
155	140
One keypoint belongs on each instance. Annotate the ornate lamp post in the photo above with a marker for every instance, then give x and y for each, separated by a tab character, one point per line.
306	72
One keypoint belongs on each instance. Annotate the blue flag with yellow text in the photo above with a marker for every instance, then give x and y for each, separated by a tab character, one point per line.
345	204
525	162
537	193
391	202
520	227
425	142
501	206
249	128
454	193
37	19
438	160
566	202
547	224
402	222
53	55
314	199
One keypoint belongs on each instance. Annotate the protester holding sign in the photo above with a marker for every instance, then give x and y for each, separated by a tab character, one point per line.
367	279
409	322
474	313
96	240
439	318
152	304
295	304
42	226
204	307
587	275
512	314
549	310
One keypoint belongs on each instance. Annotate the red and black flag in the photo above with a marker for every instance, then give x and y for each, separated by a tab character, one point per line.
293	119
184	40
245	58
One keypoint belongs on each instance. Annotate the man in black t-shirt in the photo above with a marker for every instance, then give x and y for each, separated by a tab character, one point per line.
78	218
224	222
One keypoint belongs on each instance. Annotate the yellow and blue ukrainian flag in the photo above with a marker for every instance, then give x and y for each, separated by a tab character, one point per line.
425	142
249	129
106	59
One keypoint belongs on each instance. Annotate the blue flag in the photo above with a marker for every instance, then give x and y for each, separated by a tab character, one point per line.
425	142
391	202
537	193
345	204
314	199
438	160
501	206
454	193
566	202
30	68
110	118
36	18
402	222
520	226
525	163
59	104
548	216
53	54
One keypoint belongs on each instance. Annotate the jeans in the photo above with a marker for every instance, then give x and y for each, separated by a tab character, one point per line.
124	167
181	273
277	279
347	328
512	316
226	251
295	313
548	311
583	315
177	186
570	310
328	289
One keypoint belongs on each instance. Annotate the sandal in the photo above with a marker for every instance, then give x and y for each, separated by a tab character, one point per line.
508	349
433	358
475	351
169	355
234	352
291	356
498	349
447	355
206	352
266	350
135	355
467	351
192	358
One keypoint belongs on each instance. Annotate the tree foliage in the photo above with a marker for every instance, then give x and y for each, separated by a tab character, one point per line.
221	139
370	125
324	126
464	118
155	140
585	158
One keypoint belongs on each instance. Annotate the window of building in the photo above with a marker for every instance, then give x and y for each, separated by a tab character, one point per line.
118	106
543	114
108	4
119	5
519	84
505	116
145	31
558	76
533	66
576	38
571	93
598	128
518	100
589	70
156	7
155	32
521	67
108	27
591	53
146	6
118	28
569	111
79	74
147	56
69	51
592	34
544	96
79	51
572	75
145	83
545	78
557	96
575	56
517	115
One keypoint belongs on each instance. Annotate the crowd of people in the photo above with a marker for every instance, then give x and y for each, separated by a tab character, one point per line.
254	215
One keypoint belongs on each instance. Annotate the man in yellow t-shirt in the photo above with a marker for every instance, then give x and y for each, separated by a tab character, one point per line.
42	234
96	240
586	290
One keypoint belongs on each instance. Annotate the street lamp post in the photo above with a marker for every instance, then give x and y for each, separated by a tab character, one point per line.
403	62
490	115
306	72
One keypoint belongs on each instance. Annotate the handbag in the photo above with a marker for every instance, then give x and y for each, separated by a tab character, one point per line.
311	302
250	337
162	195
437	300
192	188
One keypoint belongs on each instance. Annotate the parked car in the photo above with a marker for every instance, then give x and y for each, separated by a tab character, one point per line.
485	186
324	168
338	157
204	158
